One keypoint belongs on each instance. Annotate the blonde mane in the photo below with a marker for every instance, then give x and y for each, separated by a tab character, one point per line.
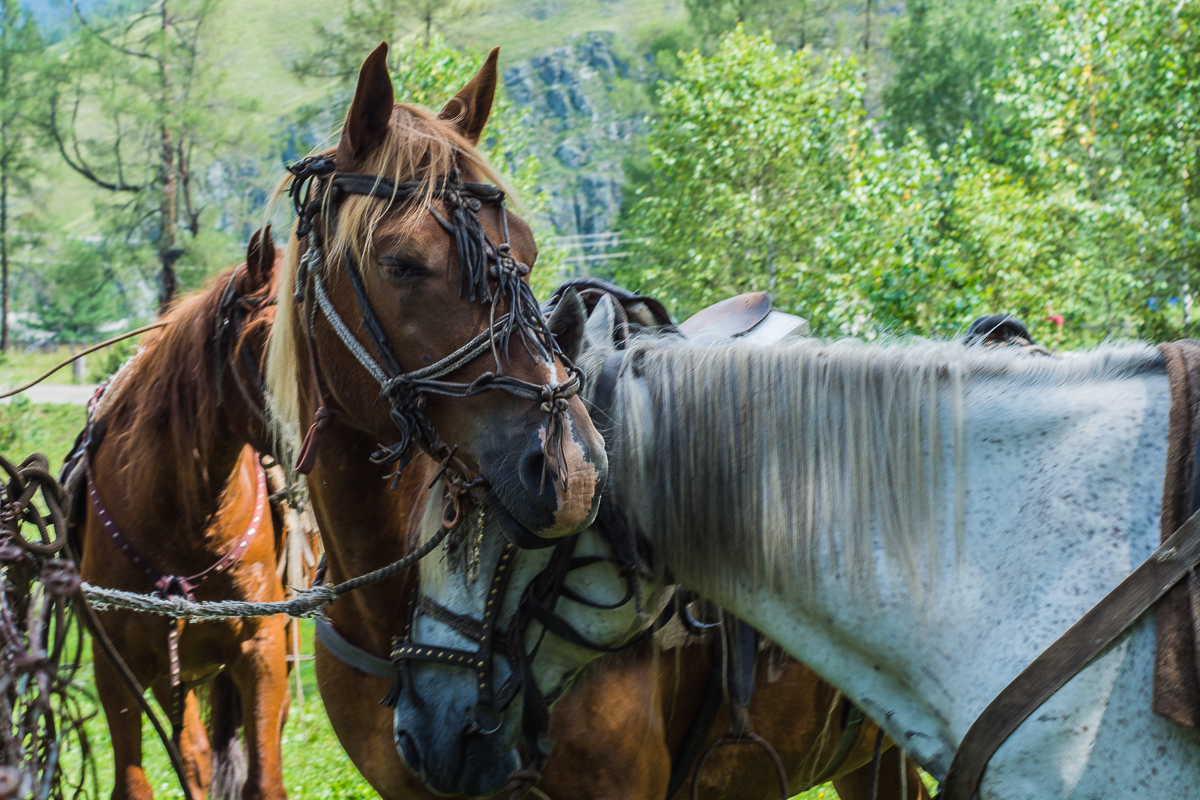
418	147
760	459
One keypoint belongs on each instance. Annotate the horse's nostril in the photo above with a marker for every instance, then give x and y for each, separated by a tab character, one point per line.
407	747
536	476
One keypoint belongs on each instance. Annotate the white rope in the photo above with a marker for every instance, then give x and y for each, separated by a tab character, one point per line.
339	327
306	603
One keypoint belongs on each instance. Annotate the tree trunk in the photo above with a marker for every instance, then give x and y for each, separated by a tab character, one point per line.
4	248
168	253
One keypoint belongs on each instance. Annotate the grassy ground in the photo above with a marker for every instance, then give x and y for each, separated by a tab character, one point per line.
316	767
26	428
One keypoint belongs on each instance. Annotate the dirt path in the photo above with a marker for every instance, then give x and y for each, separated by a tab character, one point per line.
58	393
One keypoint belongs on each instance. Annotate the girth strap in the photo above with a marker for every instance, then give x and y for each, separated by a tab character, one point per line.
850	729
738	657
1073	651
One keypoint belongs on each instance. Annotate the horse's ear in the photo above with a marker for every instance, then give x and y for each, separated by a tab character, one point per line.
260	256
470	108
367	121
566	324
600	326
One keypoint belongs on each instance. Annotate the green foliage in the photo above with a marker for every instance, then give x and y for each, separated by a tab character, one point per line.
663	43
1102	106
20	64
106	362
795	24
137	108
26	428
768	174
945	54
343	43
77	293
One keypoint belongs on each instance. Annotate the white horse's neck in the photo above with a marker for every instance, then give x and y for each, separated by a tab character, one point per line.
1062	498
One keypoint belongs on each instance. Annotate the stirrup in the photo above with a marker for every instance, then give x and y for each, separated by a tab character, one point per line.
749	737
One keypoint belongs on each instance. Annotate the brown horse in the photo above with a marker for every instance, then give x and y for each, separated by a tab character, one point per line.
618	732
405	316
173	489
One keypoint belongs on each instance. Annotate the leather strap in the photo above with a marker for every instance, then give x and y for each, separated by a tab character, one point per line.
697	733
1074	650
351	655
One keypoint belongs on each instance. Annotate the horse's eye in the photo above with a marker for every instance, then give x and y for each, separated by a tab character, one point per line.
401	269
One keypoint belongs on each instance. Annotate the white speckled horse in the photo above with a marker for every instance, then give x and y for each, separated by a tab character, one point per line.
916	522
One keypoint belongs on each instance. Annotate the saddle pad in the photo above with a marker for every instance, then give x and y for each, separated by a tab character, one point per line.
1176	657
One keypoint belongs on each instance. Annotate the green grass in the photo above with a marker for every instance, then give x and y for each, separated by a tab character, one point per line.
315	766
17	366
26	428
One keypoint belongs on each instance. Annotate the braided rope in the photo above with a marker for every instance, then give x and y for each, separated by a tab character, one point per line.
306	603
339	327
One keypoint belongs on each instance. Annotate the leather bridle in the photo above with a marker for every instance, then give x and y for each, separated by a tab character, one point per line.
480	262
232	312
537	603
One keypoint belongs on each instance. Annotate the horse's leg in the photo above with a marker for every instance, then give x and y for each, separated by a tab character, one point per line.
125	727
260	675
856	785
193	744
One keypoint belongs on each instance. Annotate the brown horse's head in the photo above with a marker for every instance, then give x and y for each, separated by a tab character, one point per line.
406	313
244	318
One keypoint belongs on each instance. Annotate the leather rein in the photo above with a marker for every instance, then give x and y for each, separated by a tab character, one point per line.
317	191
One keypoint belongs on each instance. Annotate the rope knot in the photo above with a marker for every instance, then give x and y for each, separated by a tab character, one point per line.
401	392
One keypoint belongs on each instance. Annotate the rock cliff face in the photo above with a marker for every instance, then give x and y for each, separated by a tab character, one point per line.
586	103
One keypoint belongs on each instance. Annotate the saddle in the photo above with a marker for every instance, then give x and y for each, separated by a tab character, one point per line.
750	316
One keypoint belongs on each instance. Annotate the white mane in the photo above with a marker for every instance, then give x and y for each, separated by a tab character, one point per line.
754	457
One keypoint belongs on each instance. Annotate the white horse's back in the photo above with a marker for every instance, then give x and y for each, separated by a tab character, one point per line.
1061	469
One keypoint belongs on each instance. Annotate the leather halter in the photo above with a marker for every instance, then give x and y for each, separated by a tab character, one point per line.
537	603
480	261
